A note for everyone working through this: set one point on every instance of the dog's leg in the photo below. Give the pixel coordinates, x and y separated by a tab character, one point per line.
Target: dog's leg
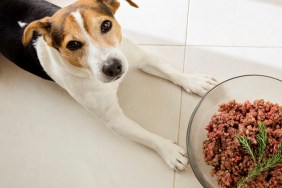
172	154
156	65
107	108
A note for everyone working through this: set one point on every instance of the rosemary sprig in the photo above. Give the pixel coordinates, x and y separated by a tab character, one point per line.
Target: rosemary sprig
262	141
267	164
262	167
246	145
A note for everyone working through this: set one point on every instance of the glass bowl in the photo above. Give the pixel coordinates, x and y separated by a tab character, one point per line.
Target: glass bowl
242	88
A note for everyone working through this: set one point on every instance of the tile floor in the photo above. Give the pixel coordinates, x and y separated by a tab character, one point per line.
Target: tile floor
47	140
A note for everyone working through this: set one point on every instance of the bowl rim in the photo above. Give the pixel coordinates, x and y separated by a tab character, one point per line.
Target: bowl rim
194	167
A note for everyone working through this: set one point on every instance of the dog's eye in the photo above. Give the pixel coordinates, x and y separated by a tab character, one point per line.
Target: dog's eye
74	45
106	26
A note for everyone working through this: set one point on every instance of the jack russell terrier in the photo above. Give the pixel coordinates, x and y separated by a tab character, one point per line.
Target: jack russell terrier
81	48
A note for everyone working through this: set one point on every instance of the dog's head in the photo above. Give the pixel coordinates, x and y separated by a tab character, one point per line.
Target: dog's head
87	36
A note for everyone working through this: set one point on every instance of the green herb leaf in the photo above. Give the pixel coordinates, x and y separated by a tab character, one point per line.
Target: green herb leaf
262	167
246	145
262	141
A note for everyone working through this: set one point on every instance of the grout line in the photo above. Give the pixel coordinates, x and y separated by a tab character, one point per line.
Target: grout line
211	46
187	23
181	90
181	45
226	46
184	63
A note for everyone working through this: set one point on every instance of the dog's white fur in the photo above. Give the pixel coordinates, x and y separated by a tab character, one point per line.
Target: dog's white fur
100	98
22	24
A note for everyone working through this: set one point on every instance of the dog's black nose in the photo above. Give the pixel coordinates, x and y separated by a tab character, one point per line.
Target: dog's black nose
112	67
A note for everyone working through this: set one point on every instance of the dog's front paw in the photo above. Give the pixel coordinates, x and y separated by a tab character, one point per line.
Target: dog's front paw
197	83
173	155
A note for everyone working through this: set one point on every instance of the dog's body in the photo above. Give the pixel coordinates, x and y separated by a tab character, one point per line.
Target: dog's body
13	13
90	68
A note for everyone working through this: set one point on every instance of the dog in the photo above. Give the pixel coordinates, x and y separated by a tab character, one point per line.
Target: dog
81	48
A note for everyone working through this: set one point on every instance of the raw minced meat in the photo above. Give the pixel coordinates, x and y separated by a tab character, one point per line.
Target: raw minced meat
223	151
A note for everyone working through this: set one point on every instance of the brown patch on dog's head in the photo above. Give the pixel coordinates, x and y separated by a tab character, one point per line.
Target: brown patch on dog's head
63	32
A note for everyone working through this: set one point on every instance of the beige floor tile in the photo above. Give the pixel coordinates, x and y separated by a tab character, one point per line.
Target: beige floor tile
155	22
222	63
153	102
235	23
186	179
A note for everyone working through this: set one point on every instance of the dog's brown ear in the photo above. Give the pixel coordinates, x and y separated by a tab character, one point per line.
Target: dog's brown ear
114	4
42	26
132	3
